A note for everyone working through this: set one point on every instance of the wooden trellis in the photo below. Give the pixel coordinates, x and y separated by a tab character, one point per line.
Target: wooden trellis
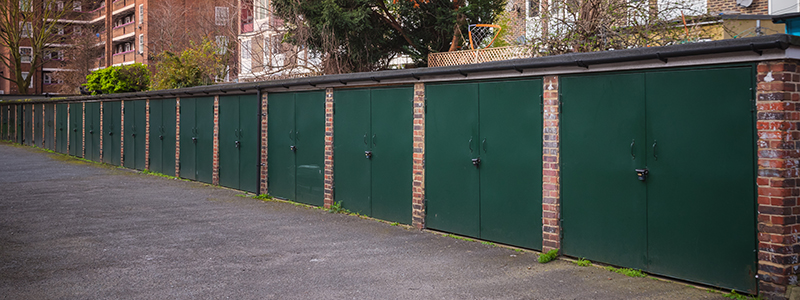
464	57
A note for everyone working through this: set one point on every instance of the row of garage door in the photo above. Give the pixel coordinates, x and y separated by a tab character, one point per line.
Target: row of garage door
691	215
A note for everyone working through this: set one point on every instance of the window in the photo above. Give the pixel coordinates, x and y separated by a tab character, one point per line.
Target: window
245	57
261	9
220	15
127	47
777	7
141	13
533	8
76	6
25	5
128	19
58	55
47	78
60	29
27	29
25	75
76	30
222	44
26	54
141	43
60	5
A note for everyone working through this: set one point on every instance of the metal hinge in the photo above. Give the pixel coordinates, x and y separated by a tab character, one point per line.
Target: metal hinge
541	103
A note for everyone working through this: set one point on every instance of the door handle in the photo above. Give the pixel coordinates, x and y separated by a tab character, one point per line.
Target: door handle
365	140
194	139
237	144
75	130
290	135
368	154
161	137
91	131
470	147
110	133
633	155
476	162
373	140
484	144
655	144
293	148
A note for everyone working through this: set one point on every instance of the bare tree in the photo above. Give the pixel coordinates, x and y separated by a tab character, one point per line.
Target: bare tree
32	25
80	57
598	25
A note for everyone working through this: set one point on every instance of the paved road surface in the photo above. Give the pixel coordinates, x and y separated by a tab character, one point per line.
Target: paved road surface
76	230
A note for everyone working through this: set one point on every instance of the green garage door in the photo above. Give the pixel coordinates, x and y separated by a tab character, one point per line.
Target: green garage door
135	131
38	125
197	138
76	129
61	128
296	157
28	140
49	126
373	151
92	133
483	160
3	122
20	127
112	123
673	222
239	144
162	136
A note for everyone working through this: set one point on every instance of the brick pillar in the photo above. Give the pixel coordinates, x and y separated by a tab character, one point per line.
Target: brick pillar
551	208
418	168
328	148
264	144
215	163
44	126
147	134
177	137
83	131
778	210
101	131
122	134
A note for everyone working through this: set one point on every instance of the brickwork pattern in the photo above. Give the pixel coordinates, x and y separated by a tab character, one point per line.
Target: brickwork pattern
328	198
215	163
44	127
759	7
122	134
101	131
778	156
264	143
147	135
178	137
551	208
83	131
418	168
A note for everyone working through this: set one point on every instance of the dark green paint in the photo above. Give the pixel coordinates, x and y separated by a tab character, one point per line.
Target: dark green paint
76	129
603	206
451	142
49	126
392	146
3	122
310	139
28	140
62	132
352	131
281	168
20	124
38	136
697	142
703	176
196	155
162	136
238	142
92	131
112	125
511	162
135	131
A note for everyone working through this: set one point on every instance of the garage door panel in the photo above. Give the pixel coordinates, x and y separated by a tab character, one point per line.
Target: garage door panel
111	132
603	142
228	136
250	143
392	147
351	140
280	157
310	135
451	140
188	143
511	152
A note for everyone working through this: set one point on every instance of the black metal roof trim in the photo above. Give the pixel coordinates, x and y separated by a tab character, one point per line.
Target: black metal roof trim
578	60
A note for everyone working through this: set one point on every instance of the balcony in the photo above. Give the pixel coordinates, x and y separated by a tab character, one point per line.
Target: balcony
123	30
124	57
122	5
96	14
98	63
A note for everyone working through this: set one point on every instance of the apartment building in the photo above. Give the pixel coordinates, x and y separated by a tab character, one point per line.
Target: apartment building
122	32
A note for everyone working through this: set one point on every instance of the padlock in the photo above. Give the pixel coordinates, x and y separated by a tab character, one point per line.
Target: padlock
642	174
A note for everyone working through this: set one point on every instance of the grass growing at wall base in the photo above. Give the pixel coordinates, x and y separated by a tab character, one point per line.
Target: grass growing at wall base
627	271
548	257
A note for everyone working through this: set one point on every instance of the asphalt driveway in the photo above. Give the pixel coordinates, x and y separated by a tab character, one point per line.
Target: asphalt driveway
76	230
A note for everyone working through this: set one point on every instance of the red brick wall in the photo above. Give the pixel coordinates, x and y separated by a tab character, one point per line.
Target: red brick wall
101	131
146	135
778	210
122	134
551	209
215	163
418	169
759	7
328	184
177	137
264	143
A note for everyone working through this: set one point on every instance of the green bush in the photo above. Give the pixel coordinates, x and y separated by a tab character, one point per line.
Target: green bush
549	256
119	79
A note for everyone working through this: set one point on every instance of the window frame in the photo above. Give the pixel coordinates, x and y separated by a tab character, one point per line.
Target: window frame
30	54
221	14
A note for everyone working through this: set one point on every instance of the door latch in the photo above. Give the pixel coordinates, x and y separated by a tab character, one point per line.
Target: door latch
161	137
194	140
476	162
368	154
642	174
293	148
237	144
